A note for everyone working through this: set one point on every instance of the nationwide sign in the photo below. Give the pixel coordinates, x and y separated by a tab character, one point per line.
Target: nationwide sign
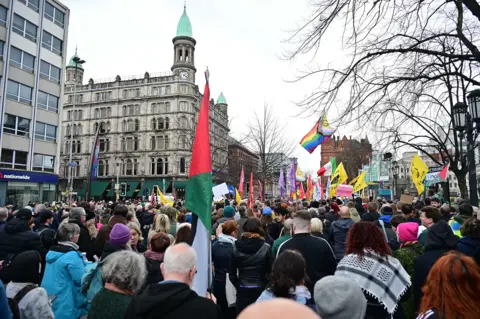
33	177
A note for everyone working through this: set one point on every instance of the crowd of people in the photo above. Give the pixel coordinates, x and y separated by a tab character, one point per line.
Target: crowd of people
336	259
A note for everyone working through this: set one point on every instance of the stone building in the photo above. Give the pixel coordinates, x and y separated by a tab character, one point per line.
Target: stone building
240	156
351	152
146	124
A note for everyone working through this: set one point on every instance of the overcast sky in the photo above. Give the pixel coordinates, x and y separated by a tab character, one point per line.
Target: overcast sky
240	41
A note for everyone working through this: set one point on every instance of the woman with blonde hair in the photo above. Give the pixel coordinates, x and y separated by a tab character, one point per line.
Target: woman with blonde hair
161	224
317	228
135	238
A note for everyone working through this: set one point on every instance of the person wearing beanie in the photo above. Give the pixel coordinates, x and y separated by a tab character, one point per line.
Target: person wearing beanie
386	226
118	239
409	250
228	214
17	235
339	298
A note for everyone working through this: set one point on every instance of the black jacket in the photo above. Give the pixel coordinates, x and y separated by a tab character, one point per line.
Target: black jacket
85	242
241	222
253	260
154	273
171	300
47	236
274	230
221	254
318	255
16	237
470	246
370	217
109	249
338	236
391	235
440	240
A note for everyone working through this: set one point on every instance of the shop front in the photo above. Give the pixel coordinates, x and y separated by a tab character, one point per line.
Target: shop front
22	187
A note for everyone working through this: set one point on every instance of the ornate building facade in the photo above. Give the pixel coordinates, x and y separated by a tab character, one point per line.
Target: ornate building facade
146	124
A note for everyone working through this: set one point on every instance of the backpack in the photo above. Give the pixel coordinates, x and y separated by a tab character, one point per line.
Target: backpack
13	302
92	281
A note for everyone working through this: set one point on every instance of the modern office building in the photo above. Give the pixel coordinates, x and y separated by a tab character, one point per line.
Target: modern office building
33	42
146	122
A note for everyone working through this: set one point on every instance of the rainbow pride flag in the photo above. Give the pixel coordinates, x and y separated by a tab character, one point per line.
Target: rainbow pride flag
319	134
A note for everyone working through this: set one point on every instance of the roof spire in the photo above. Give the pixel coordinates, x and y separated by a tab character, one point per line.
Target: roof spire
185	5
76	48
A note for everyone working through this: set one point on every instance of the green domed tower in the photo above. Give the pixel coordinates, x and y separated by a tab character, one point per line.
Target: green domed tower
184	48
74	72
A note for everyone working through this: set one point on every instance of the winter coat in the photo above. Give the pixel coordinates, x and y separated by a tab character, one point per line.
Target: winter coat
16	237
108	304
222	251
62	279
274	230
391	235
240	223
278	242
4	308
440	240
318	255
371	216
470	246
104	233
85	242
2	224
47	236
171	300
338	236
251	263
34	305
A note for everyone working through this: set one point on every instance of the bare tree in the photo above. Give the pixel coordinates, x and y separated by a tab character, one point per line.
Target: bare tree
410	62
267	139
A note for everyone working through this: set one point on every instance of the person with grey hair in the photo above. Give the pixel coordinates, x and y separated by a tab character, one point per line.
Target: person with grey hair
3	216
173	297
63	274
85	243
316	251
123	274
286	235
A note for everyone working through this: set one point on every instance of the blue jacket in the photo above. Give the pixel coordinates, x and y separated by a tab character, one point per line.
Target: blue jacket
4	308
62	279
470	246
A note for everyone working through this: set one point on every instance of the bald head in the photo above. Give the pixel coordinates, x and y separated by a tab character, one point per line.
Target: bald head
179	263
344	212
278	309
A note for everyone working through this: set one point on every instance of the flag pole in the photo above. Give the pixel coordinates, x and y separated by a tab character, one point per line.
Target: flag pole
92	160
209	235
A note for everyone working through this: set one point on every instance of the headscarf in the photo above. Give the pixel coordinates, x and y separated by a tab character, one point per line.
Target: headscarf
26	267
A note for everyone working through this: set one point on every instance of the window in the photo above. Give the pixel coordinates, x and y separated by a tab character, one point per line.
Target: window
183	106
103	96
49	102
25	28
183	165
159	166
159	142
50	72
183	88
104	145
16	125
45	132
52	43
13	159
183	142
167	123
3	16
54	15
130	144
2	46
43	163
78	114
19	92
103	168
32	4
167	89
130	167
22	59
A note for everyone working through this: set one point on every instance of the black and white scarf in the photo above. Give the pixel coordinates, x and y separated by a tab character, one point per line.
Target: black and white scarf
385	279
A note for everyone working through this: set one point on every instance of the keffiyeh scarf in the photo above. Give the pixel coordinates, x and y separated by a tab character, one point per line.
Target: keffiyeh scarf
385	279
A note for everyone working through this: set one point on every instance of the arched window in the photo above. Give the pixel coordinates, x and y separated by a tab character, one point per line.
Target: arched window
160	166
152	143
165	168
101	168
183	166
154	124
96	113
161	123
124	110
137	125
167	123
109	112
129	167
68	131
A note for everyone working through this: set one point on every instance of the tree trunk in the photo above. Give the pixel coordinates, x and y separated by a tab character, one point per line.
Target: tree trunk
462	183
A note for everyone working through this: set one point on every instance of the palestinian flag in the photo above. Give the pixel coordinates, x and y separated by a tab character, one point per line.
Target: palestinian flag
198	197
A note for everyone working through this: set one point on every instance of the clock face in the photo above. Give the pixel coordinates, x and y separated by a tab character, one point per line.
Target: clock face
184	75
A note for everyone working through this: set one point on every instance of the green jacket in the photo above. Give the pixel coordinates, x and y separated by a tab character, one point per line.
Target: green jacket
278	242
407	256
423	237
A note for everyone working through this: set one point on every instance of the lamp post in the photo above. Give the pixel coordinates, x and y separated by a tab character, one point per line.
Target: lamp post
395	178
466	124
80	62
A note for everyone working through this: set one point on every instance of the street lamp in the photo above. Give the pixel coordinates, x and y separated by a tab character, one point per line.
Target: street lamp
466	123
395	177
78	62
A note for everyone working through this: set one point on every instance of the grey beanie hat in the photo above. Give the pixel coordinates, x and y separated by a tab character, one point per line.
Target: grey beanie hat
339	298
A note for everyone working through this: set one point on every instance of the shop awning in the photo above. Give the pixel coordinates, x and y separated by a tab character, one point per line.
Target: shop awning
134	185
99	187
180	184
150	183
82	191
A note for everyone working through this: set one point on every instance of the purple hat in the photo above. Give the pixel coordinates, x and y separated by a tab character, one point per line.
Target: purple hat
120	234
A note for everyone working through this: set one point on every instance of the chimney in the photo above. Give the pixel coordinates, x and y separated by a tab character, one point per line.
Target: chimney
350	137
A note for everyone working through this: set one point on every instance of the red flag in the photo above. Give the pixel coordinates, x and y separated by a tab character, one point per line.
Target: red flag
260	188
309	188
302	191
242	180
250	194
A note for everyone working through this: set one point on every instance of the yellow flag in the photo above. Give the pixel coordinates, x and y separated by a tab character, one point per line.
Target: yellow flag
419	171
354	181
162	198
333	190
339	176
238	199
360	182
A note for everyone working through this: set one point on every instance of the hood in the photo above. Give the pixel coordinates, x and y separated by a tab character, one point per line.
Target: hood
459	219
162	299
57	251
227	239
16	226
110	248
154	255
407	232
385	218
249	245
153	266
116	219
343	224
440	235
